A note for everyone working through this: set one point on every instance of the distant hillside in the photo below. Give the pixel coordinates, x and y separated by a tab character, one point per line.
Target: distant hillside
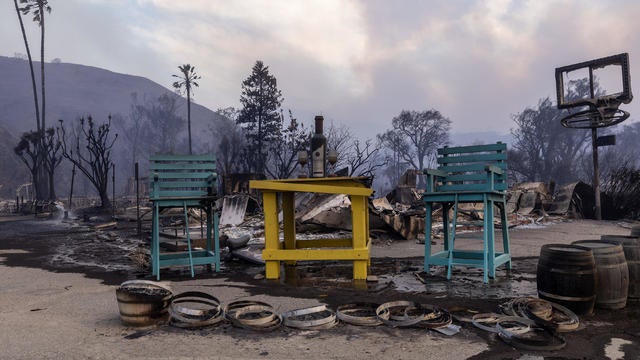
78	90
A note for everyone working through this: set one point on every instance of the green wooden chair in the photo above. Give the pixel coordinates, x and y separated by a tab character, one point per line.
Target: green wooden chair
184	182
468	174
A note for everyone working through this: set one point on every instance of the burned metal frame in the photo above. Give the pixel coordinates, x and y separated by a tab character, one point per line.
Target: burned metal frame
603	110
612	100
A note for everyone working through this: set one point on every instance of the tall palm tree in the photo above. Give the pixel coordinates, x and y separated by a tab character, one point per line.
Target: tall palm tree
38	8
187	79
33	77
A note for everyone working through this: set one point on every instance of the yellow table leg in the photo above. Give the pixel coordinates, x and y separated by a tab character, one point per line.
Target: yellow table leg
271	232
289	222
359	216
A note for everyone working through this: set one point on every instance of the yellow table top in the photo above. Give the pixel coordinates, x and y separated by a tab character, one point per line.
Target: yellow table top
327	185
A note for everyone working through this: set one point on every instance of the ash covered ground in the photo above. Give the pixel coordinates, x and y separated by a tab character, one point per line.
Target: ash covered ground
75	246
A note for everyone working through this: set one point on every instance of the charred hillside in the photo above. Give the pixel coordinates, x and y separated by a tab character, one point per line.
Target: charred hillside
75	91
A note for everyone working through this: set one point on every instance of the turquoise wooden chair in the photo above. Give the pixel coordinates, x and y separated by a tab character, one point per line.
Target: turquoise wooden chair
468	174
184	182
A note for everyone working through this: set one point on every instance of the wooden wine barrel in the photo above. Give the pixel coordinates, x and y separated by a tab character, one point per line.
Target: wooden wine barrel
631	247
143	302
566	275
612	273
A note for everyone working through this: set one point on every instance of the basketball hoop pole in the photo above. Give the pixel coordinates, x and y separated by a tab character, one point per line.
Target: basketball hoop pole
596	173
602	109
594	147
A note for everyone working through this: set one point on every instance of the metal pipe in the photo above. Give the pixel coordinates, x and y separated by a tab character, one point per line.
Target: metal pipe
594	147
138	200
596	174
113	190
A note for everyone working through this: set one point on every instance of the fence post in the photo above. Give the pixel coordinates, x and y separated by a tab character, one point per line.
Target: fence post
138	201
113	191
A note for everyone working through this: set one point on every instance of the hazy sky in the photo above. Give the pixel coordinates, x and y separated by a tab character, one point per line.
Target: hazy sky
356	62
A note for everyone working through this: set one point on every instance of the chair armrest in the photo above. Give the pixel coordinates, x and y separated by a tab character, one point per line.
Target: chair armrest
432	174
494	169
435	172
212	189
153	194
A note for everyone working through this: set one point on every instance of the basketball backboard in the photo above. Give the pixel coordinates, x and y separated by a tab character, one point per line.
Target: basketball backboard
599	83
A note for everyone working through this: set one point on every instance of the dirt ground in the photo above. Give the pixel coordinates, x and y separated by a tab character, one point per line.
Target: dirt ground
58	300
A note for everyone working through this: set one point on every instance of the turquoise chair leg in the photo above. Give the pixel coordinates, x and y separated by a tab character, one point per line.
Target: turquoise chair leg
186	226
452	237
155	243
505	232
208	248
216	242
485	240
427	236
492	249
445	224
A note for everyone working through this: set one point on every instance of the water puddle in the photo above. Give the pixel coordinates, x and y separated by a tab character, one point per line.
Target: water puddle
613	350
108	253
406	275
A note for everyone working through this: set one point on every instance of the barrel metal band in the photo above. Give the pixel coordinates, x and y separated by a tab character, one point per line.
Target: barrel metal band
323	323
384	313
347	313
566	298
186	317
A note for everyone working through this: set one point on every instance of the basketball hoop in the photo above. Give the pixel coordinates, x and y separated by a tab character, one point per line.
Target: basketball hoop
602	107
594	118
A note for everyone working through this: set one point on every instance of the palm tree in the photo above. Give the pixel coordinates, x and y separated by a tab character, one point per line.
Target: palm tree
33	77
187	80
38	8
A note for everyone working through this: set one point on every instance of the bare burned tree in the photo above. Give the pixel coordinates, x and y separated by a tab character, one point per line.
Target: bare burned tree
338	139
282	157
362	158
51	158
396	146
232	143
38	150
89	149
132	129
542	149
163	123
29	150
415	136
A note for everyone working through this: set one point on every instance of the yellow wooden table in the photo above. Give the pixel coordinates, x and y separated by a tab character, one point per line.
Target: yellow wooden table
355	248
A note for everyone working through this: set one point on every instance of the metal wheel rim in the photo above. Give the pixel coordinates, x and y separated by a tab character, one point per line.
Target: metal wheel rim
589	119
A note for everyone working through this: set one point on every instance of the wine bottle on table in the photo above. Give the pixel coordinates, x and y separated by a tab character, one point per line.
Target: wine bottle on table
318	150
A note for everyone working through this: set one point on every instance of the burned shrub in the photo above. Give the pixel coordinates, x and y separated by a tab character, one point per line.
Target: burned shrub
622	194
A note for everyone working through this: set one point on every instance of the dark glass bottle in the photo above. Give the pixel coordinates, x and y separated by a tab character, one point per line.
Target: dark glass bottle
318	150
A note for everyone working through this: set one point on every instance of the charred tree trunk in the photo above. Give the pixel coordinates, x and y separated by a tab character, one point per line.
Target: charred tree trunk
95	163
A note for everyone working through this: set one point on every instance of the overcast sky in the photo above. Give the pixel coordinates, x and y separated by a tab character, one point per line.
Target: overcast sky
356	62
